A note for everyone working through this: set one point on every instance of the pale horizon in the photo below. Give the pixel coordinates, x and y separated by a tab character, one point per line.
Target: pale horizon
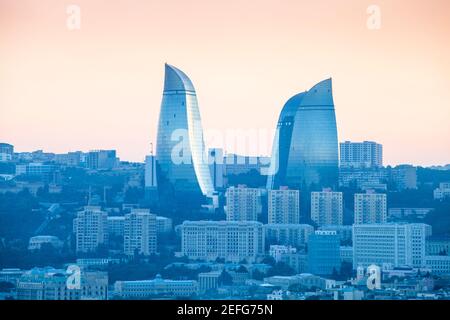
100	87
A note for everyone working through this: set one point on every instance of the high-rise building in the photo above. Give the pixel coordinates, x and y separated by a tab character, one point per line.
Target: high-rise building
327	207
91	229
284	206
404	177
366	154
150	172
324	257
243	204
180	151
370	207
140	233
230	240
390	243
305	148
6	152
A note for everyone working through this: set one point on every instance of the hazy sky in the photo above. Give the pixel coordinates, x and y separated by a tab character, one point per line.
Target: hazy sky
101	86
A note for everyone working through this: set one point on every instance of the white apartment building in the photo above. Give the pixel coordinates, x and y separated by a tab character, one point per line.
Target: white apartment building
370	207
366	154
230	240
243	204
390	243
91	229
327	207
284	206
140	232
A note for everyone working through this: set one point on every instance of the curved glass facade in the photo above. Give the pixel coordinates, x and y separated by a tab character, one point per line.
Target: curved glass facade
306	146
180	150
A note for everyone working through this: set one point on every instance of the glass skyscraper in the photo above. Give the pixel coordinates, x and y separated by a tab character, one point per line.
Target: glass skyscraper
180	151
305	149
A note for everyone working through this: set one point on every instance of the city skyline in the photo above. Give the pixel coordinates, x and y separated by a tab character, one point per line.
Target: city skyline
60	86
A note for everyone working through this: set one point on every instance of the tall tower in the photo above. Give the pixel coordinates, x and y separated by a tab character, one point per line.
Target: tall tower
182	168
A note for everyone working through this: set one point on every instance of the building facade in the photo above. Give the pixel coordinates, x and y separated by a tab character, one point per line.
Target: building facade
370	207
91	229
140	233
366	154
390	243
327	207
243	204
229	240
284	206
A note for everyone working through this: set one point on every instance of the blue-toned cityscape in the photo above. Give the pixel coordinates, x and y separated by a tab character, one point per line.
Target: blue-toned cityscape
316	220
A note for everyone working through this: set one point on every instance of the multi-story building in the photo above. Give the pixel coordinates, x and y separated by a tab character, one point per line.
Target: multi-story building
438	264
324	256
404	177
277	251
230	240
91	229
208	280
156	287
217	168
163	225
140	233
366	154
390	243
364	178
438	246
442	192
187	174
305	148
116	225
6	152
102	159
284	206
404	213
370	207
346	253
327	207
46	284
37	242
295	235
243	204
344	232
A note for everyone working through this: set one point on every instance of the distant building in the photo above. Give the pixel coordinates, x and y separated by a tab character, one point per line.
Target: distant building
404	177
140	233
156	287
438	246
6	152
284	206
324	253
327	207
277	251
230	240
442	192
37	242
405	213
91	229
344	232
367	154
243	204
36	169
102	159
295	235
390	243
217	167
45	284
116	225
71	159
163	225
363	178
346	253
208	280
237	164
438	264
370	207
150	172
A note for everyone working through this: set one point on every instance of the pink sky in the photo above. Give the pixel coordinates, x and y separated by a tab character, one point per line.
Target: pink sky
101	86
